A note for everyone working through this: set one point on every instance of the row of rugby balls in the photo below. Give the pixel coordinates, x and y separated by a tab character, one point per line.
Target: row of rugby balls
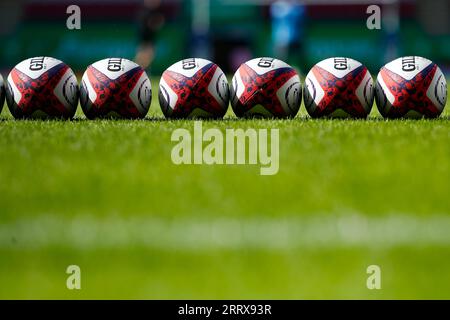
45	87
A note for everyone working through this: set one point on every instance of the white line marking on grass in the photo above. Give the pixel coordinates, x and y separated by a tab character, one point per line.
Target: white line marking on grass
200	234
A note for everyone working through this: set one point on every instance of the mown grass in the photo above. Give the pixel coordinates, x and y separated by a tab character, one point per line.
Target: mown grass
64	171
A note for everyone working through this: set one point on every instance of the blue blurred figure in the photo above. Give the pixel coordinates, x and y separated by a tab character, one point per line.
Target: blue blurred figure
287	27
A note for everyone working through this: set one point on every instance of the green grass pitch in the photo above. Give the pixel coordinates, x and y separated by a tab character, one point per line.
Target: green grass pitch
104	195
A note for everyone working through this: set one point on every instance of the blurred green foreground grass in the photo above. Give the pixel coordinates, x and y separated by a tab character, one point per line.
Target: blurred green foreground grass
105	195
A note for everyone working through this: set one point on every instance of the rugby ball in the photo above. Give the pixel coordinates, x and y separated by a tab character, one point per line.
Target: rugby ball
267	88
2	93
194	88
411	87
339	88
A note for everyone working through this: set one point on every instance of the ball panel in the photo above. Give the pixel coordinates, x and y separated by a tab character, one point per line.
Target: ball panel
365	93
67	91
313	93
87	93
263	65
113	68
437	91
290	95
189	67
13	94
383	96
218	87
34	68
167	97
141	95
408	67
237	88
339	66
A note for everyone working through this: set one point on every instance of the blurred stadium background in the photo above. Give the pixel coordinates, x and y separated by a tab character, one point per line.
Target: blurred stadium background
227	31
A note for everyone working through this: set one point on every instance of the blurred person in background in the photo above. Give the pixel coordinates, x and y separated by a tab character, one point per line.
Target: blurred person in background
287	27
151	21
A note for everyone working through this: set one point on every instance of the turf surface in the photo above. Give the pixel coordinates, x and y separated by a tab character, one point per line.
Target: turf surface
105	195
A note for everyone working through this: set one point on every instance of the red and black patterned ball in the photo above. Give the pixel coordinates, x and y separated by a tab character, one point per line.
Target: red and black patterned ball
115	88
